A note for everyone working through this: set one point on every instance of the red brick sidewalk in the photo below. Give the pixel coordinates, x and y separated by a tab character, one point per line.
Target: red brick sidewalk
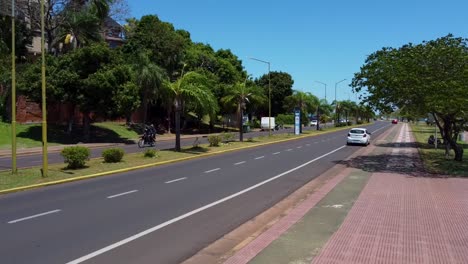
398	218
404	219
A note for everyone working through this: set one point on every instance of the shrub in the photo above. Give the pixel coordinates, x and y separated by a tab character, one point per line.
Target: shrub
349	123
113	155
282	119
149	153
227	136
214	140
76	156
359	122
256	123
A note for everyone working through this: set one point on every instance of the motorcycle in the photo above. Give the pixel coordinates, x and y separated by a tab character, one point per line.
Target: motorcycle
146	140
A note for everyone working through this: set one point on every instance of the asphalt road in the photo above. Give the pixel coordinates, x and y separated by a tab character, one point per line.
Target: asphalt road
163	214
25	161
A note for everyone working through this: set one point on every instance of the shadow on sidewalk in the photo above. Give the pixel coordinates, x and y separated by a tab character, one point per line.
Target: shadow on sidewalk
405	164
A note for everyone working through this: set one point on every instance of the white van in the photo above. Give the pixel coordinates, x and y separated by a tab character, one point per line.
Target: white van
265	123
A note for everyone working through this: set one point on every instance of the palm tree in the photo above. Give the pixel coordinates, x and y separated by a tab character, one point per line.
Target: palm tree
239	95
191	88
305	101
151	78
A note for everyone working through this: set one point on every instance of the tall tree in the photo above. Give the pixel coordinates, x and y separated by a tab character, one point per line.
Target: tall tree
150	78
190	88
240	95
281	87
305	101
430	77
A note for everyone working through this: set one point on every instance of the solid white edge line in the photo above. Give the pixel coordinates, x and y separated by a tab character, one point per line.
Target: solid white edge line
239	163
176	180
34	216
212	170
261	157
174	220
276	153
120	194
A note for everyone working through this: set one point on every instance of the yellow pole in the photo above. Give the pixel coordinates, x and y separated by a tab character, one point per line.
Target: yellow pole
44	107
14	169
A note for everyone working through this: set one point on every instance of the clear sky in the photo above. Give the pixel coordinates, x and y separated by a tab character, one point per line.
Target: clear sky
313	40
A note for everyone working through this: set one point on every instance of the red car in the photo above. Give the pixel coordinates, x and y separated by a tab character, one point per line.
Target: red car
395	121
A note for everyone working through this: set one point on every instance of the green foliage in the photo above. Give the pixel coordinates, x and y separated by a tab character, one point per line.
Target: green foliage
76	156
113	155
430	77
283	119
227	137
149	153
214	140
281	87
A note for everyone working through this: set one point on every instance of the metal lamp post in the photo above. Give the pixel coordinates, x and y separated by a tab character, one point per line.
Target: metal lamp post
14	168
269	94
325	88
336	102
44	107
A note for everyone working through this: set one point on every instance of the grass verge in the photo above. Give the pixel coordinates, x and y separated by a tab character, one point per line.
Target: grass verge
434	159
30	135
57	172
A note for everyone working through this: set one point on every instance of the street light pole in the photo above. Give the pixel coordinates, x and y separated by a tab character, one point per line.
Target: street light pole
336	102
269	93
325	88
14	168
44	107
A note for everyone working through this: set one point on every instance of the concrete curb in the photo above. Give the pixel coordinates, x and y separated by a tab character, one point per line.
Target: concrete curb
156	164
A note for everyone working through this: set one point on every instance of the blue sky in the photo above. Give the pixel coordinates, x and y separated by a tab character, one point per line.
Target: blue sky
315	40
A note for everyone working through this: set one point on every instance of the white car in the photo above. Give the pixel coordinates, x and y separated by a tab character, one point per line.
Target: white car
313	122
358	136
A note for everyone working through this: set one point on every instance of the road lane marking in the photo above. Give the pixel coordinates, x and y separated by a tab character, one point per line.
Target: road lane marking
176	180
120	194
34	216
200	209
276	153
289	149
308	145
208	171
239	163
315	142
299	147
380	128
261	157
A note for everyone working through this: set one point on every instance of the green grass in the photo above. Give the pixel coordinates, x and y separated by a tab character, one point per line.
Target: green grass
434	159
56	172
30	135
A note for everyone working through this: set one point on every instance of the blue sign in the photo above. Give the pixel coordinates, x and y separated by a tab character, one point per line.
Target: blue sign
297	121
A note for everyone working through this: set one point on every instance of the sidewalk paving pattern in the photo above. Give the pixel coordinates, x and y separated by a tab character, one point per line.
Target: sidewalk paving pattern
399	217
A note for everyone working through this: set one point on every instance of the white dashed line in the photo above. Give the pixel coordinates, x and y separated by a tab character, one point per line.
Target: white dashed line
276	153
34	216
120	194
289	150
188	214
176	180
239	163
212	170
261	157
308	145
299	147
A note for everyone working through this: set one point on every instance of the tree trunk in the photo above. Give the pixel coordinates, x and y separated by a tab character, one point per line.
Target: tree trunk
239	117
71	118
169	123
86	126
145	106
177	105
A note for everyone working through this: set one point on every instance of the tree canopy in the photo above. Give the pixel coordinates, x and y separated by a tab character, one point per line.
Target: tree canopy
427	78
